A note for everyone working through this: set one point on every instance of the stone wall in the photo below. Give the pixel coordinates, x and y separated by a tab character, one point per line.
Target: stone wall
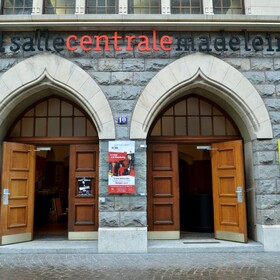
122	75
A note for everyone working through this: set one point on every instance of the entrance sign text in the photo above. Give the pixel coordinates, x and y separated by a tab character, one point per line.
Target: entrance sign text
150	41
144	43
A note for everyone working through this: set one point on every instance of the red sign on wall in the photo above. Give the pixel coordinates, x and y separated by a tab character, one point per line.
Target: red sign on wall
121	189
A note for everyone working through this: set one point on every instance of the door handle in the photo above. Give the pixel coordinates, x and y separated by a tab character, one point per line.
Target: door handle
6	196
239	194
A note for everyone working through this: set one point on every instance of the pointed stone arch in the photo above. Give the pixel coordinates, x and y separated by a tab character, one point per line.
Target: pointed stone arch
51	71
208	76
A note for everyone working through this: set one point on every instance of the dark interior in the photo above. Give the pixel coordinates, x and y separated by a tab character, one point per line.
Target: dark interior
51	191
196	199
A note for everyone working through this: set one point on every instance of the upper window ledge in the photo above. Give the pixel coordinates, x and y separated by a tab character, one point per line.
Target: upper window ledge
140	22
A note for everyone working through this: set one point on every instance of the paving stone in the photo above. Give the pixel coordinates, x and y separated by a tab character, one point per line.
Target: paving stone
260	265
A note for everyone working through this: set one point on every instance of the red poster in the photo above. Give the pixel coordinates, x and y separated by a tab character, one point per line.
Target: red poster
121	173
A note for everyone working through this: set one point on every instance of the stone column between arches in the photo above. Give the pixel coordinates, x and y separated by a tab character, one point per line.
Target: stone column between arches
123	218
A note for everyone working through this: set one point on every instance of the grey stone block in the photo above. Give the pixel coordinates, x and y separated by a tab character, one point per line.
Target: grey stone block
134	65
275	117
262	64
86	63
109	219
137	203
255	77
122	132
266	171
239	64
113	92
278	186
142	79
266	186
276	64
124	53
6	64
133	219
266	90
273	77
264	157
109	64
266	217
102	78
156	64
122	78
276	131
267	201
265	145
122	203
131	92
121	106
108	205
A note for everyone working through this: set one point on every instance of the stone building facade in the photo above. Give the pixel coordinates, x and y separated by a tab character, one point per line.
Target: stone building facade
231	61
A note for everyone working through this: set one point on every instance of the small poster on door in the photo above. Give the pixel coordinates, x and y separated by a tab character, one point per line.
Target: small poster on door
84	186
121	173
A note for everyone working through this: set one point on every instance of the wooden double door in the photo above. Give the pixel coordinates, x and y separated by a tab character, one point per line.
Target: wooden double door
228	186
18	188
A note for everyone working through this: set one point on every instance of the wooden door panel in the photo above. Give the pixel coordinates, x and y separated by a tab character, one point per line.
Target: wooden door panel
163	188
18	177
19	160
226	158
228	176
83	188
163	213
85	161
229	215
162	160
19	188
84	214
227	186
17	216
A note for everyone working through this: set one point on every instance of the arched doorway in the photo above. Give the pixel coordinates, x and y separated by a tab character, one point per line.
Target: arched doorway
50	154
25	84
195	160
224	85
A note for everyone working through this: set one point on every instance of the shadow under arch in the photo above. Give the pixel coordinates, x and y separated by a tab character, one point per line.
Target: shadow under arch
211	77
29	77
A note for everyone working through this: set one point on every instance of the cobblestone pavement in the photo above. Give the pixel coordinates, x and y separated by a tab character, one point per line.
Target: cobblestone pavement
261	265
